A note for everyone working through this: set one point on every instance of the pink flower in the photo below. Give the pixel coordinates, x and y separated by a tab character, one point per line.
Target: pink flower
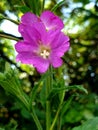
40	47
50	20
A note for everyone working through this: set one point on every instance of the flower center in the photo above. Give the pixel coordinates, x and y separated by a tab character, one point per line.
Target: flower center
45	54
43	51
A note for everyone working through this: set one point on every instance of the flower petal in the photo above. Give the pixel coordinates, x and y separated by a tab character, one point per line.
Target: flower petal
25	57
59	51
51	21
42	30
57	38
29	58
29	33
41	64
29	18
23	46
56	61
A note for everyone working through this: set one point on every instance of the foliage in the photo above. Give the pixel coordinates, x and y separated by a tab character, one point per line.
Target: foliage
75	78
89	125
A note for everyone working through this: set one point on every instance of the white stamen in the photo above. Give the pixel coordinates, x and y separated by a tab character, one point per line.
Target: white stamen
45	54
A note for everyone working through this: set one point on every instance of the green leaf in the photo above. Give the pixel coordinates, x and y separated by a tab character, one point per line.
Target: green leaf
34	5
10	83
91	124
23	9
25	113
66	106
2	129
35	89
42	95
57	5
2	77
12	125
55	91
33	95
78	87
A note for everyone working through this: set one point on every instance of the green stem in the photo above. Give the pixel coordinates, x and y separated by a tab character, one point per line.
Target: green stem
57	113
23	2
11	20
59	124
24	101
48	106
9	36
48	115
56	117
34	116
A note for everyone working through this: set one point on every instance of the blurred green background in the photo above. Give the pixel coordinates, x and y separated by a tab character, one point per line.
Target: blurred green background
80	62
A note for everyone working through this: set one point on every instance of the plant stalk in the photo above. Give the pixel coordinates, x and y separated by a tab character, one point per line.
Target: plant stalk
48	105
9	36
34	116
58	111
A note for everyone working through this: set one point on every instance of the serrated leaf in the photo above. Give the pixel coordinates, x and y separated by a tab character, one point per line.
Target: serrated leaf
10	83
91	124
